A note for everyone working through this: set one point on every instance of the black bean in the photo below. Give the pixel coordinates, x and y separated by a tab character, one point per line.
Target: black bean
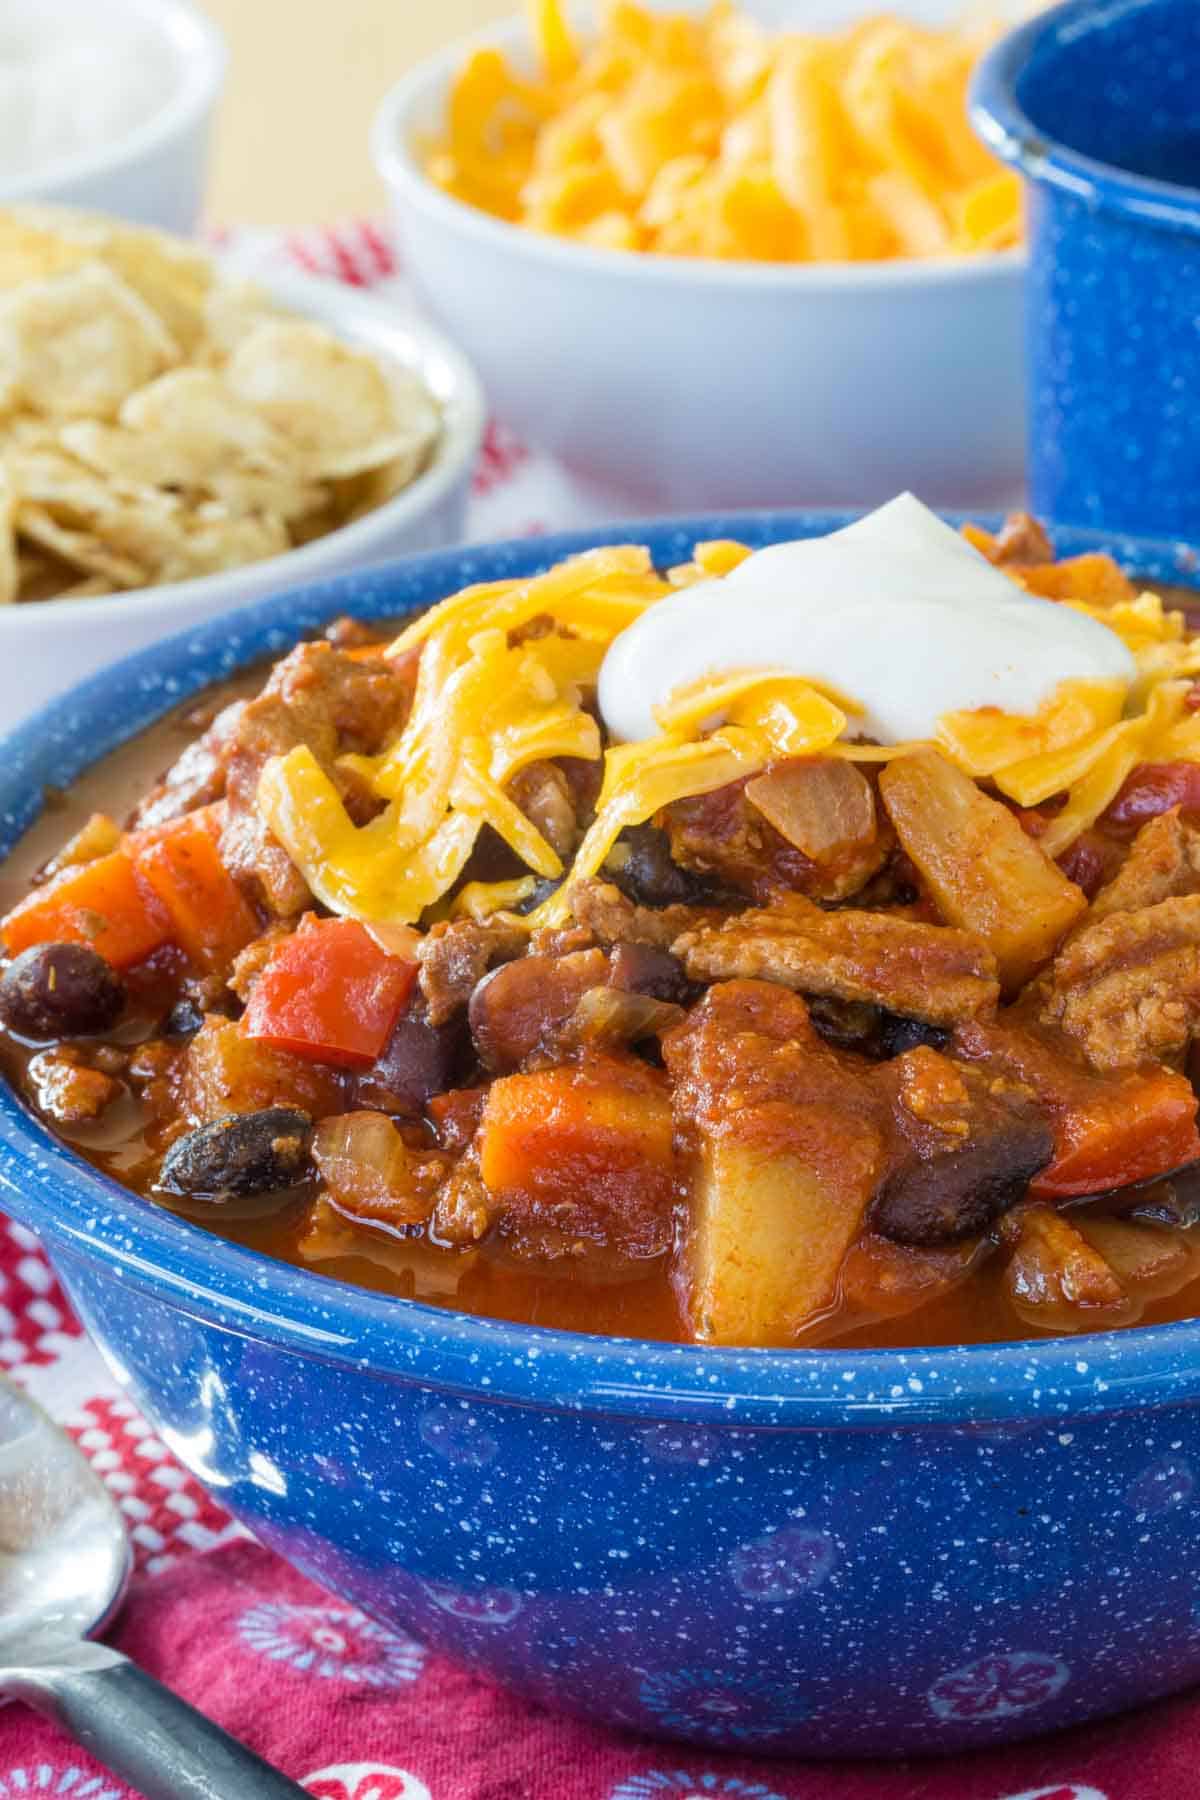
184	1020
1171	1199
60	991
898	1034
542	890
420	1061
246	1153
871	1030
649	877
957	1193
848	1024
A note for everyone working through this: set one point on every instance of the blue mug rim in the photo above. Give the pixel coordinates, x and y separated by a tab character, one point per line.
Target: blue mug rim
1011	134
86	1216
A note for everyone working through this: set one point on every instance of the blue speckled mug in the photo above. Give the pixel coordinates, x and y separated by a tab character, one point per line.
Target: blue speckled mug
813	1552
1098	105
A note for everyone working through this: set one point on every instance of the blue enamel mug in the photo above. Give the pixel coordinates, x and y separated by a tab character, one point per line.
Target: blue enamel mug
1097	103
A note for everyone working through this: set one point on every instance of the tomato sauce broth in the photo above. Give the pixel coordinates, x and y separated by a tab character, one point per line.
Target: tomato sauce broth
485	1280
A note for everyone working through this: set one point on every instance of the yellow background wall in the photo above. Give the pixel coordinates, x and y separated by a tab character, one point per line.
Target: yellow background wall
304	80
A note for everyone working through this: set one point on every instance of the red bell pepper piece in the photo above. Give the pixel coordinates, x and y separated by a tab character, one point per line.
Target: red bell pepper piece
331	994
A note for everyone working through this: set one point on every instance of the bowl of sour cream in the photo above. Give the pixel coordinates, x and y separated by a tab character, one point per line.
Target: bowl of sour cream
109	108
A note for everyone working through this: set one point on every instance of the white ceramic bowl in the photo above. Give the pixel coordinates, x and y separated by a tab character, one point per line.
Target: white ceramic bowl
689	383
46	645
154	173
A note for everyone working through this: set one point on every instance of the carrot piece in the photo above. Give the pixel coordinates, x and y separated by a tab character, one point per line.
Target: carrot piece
101	904
1141	1127
586	1149
534	1124
330	993
211	818
211	920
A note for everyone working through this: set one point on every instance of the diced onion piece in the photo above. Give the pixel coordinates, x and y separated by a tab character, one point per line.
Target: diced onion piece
394	940
611	1016
96	837
1056	1279
1156	1262
822	805
370	1171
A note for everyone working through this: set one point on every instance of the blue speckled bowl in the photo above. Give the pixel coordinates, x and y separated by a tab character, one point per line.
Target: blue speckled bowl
1099	107
811	1552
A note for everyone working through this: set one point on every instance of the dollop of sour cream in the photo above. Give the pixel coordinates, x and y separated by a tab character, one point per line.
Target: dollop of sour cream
897	612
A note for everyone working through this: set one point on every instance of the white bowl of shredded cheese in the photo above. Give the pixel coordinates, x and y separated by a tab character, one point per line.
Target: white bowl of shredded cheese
108	106
676	381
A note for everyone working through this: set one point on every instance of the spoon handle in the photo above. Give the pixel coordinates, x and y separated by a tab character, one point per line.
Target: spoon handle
142	1731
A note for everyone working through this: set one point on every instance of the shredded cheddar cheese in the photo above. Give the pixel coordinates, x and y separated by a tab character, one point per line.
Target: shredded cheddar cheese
707	135
505	676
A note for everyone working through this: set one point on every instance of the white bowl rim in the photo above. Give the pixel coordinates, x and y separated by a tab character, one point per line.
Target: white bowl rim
202	57
399	169
463	420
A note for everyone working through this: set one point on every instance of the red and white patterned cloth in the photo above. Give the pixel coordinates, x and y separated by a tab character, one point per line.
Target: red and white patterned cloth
353	1711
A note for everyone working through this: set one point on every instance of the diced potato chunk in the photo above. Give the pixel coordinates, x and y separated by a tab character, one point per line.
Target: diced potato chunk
771	1225
984	872
222	1072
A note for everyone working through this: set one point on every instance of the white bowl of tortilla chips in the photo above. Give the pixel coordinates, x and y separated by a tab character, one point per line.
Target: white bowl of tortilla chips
176	440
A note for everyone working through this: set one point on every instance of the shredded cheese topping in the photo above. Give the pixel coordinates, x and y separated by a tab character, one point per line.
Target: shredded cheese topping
504	675
704	134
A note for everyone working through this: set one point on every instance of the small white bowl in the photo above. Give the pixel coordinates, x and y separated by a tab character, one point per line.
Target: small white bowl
45	645
676	382
154	173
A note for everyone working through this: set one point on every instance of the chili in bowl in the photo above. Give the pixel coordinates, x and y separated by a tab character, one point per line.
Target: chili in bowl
784	1036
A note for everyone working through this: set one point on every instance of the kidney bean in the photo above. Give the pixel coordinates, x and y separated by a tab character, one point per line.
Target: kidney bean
958	1193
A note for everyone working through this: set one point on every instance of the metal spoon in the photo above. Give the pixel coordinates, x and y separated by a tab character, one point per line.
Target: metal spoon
64	1563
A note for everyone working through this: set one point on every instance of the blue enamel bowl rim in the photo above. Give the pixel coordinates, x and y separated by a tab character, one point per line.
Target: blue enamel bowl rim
1012	135
84	1215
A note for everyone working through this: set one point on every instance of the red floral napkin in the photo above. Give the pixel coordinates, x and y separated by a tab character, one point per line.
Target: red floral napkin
358	1713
